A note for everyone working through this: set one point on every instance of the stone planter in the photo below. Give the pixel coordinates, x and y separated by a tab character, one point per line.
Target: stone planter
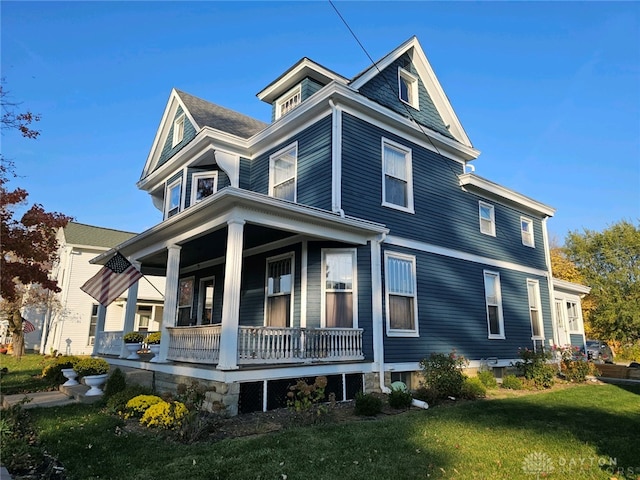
95	382
133	350
155	349
70	374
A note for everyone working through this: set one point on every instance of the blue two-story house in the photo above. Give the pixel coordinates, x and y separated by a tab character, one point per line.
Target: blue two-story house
349	237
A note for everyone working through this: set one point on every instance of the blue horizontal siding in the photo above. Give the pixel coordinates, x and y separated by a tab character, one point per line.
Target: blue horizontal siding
168	150
445	215
452	311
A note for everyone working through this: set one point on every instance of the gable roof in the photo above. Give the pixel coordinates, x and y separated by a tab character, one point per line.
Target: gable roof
88	235
429	79
207	114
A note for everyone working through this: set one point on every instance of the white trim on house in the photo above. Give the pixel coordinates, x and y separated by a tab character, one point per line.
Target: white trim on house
395	332
487	225
411	82
535	306
194	185
494	302
292	257
288	101
527	234
448	252
168	206
178	130
202	297
354	284
284	152
336	157
386	143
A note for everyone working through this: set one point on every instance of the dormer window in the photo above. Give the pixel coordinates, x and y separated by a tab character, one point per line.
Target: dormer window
178	130
408	88
173	197
288	101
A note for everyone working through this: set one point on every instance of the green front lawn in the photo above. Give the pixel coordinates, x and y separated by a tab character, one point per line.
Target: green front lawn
23	374
566	433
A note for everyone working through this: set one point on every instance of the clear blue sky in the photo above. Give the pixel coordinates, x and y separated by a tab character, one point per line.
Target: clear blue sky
548	92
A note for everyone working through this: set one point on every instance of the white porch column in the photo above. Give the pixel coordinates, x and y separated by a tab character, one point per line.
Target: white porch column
102	315
170	299
231	301
130	312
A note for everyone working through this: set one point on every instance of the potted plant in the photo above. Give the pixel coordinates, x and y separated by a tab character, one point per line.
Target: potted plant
94	373
133	342
153	340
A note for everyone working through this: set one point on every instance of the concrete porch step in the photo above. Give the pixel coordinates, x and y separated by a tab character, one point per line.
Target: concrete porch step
77	393
38	399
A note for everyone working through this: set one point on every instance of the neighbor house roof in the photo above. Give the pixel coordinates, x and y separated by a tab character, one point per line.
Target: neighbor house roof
207	114
81	234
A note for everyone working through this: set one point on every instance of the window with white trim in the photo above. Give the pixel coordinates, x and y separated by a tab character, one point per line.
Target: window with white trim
408	88
205	301
573	317
185	301
397	181
493	300
279	298
487	219
93	323
288	101
173	198
178	130
401	294
143	319
282	173
533	293
526	227
203	185
339	288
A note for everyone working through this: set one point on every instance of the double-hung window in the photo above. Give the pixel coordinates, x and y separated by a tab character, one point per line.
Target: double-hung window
493	300
533	291
282	173
339	287
487	219
203	185
185	301
178	130
205	301
573	317
526	227
93	322
279	291
173	198
397	181
401	294
408	88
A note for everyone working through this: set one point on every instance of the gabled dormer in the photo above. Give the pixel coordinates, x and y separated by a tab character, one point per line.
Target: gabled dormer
296	85
404	82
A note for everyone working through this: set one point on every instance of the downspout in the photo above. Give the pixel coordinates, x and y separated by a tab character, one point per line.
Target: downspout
378	328
547	258
336	159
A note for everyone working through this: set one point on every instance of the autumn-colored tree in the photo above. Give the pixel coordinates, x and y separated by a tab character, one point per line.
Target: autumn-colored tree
609	262
28	246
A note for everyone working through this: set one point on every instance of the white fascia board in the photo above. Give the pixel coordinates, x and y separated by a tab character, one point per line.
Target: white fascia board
492	189
207	140
429	79
570	287
304	68
229	203
163	130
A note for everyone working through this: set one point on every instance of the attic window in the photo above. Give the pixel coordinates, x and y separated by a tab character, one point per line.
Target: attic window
408	88
288	101
178	130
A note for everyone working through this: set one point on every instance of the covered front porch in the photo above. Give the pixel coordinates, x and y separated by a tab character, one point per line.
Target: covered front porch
222	245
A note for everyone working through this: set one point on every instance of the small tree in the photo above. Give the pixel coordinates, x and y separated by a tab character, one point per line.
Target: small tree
29	246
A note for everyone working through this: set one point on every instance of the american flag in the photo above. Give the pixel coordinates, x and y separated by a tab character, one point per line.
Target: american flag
115	277
28	327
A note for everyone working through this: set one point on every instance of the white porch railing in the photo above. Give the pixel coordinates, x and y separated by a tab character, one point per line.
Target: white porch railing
287	345
200	344
109	343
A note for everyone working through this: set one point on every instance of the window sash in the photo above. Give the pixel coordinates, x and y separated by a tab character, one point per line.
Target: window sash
178	131
203	186
526	227
283	174
573	318
396	176
339	289
487	219
174	194
493	305
400	281
206	291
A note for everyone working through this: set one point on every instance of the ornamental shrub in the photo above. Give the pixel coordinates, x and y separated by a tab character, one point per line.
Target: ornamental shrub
427	394
115	383
153	338
301	397
137	406
117	403
53	370
167	415
133	337
487	379
473	388
574	364
367	404
399	399
443	373
534	367
511	382
91	366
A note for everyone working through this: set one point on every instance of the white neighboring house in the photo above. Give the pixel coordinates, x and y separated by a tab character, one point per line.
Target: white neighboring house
70	328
